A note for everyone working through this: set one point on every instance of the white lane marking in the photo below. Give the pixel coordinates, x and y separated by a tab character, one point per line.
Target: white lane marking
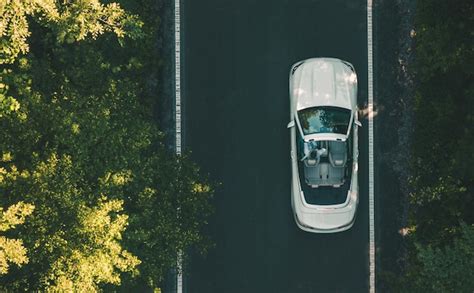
177	70
179	277
177	50
371	149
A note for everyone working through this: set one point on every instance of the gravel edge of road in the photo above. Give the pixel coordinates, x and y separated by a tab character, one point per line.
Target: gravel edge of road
165	107
395	98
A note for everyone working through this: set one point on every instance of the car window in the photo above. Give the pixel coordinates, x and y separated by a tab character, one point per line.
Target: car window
324	120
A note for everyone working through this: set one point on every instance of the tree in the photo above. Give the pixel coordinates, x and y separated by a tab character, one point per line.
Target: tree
440	257
12	250
99	257
61	248
446	269
70	20
82	145
74	238
166	216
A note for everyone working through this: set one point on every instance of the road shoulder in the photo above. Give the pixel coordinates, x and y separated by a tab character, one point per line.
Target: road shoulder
393	130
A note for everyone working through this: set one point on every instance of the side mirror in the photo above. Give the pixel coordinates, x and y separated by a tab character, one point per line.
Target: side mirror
357	122
291	124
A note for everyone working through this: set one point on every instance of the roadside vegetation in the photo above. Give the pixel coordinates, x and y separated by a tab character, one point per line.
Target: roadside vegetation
441	231
90	198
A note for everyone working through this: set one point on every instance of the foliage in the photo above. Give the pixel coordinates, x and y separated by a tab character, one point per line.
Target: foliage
443	178
70	20
442	154
12	250
157	230
80	143
446	269
8	104
66	237
99	254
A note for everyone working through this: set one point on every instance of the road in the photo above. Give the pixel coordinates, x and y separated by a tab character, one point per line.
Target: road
236	59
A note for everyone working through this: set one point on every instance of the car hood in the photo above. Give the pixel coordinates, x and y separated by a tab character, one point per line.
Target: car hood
324	82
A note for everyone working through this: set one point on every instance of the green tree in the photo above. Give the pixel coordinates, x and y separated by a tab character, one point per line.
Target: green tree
440	250
166	216
69	233
443	177
70	20
99	257
446	269
12	250
85	130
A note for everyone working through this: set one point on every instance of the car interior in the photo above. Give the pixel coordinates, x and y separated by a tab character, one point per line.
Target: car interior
325	162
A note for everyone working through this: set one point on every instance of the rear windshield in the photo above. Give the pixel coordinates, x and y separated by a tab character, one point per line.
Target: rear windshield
324	120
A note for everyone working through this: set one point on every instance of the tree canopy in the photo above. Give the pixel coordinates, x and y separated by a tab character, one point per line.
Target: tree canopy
441	256
12	250
70	21
80	143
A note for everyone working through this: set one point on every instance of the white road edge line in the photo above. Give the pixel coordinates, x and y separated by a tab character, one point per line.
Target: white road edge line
177	69
371	148
177	52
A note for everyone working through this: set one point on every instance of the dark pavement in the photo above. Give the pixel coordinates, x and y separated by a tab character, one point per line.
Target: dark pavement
237	56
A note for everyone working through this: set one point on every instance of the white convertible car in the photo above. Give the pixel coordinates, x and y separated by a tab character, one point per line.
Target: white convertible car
323	126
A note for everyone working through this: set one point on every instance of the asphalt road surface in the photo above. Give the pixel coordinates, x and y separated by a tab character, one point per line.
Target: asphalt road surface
237	55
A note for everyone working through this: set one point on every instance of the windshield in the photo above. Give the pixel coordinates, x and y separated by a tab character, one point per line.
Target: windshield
324	120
